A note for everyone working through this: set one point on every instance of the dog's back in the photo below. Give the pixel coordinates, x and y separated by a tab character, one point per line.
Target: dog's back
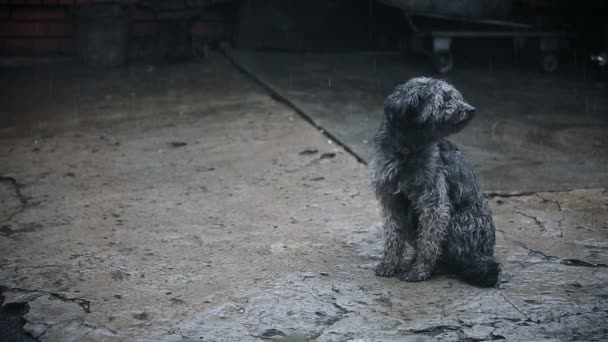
471	234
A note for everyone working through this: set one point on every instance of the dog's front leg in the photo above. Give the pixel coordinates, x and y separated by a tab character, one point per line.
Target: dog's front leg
433	209
394	246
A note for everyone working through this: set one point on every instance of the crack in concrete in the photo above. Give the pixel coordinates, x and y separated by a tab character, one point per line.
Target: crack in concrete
18	310
79	320
342	309
558	203
45	331
516	193
507	194
531	251
519	193
490	336
514	306
534	218
82	303
342	314
436	330
546	258
278	335
549	258
17	187
581	263
18	193
8	231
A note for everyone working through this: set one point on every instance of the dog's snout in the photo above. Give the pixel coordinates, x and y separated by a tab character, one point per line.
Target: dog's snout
470	110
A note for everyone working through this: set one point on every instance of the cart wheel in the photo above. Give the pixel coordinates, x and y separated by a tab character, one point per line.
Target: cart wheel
549	62
444	61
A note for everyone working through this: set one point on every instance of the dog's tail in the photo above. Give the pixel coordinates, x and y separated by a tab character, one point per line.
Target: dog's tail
482	272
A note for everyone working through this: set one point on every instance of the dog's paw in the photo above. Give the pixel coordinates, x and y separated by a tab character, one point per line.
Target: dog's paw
384	270
417	273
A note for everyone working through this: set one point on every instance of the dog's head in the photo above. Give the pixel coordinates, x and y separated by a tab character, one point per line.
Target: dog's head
425	109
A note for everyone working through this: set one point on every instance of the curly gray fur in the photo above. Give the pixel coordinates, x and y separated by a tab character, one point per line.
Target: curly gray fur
428	192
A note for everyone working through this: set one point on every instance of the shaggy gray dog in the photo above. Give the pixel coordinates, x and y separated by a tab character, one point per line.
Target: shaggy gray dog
428	192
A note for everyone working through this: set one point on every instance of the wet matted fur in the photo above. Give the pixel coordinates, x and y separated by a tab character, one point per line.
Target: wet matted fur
428	192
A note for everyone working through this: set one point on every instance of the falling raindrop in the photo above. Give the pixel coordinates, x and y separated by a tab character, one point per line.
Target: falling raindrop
51	86
132	95
76	99
375	64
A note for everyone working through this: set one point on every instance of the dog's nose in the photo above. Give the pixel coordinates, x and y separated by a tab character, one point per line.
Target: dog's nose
470	110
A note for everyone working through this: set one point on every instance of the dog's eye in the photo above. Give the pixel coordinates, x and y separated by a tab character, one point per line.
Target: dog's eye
447	113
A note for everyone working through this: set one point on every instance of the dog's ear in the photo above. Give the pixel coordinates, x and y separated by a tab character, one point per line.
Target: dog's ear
401	105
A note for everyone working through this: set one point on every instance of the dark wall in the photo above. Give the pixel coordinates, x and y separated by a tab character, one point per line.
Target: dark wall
46	27
585	18
317	25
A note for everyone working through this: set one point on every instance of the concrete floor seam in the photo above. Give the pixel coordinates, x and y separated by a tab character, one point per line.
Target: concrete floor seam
282	99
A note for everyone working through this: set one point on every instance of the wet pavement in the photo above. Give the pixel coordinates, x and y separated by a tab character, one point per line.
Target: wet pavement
532	131
184	203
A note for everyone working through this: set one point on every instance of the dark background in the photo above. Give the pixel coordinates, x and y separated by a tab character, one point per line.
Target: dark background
46	27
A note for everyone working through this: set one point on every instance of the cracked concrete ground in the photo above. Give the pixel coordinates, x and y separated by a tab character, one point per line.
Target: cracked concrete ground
183	203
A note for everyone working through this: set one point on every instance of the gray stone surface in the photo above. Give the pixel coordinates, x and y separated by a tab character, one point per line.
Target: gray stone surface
532	131
183	203
47	316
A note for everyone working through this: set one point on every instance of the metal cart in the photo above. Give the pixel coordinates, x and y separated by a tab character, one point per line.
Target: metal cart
469	19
